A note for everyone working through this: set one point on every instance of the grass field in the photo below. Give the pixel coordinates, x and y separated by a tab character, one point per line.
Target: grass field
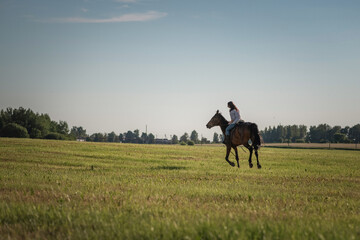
72	190
351	146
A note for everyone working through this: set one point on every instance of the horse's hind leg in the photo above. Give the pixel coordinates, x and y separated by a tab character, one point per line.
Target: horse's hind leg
236	156
257	157
251	151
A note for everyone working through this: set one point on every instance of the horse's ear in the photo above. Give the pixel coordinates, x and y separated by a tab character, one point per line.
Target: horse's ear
217	112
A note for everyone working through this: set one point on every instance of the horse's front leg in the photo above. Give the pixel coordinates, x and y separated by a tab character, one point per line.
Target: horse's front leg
236	156
228	149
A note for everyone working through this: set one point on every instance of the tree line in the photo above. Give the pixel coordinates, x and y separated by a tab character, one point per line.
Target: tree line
136	137
323	133
24	123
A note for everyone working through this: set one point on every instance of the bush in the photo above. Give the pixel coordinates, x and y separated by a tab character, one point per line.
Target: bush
55	136
300	140
35	133
182	143
15	131
190	143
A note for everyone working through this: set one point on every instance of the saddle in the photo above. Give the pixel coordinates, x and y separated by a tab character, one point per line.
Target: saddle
240	124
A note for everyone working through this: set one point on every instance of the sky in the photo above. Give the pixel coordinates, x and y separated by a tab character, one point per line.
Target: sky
119	65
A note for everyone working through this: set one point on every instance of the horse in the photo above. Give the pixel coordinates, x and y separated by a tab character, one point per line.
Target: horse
240	135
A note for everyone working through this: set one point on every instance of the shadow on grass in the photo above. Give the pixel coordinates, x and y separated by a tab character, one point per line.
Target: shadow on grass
168	168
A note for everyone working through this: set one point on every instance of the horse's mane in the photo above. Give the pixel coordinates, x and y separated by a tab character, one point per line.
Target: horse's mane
223	120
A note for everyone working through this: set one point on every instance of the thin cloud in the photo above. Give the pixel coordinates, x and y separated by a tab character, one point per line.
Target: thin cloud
133	17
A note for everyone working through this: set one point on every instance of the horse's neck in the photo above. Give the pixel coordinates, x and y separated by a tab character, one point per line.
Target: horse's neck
223	129
224	124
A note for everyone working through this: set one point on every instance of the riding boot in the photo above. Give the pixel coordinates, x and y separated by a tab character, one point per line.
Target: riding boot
226	140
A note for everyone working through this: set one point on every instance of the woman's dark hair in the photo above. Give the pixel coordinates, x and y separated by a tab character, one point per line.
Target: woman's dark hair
232	106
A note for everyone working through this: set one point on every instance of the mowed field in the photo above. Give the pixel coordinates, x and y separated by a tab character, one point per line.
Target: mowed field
73	190
350	146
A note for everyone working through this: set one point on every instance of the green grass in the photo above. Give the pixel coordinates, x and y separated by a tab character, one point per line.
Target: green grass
72	190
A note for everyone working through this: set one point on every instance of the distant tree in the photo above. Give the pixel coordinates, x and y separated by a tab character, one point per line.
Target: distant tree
174	140
339	138
99	137
59	127
303	131
294	133
345	130
204	140
62	127
190	143
151	138
36	133
288	134
354	133
2	123
36	125
216	138
137	136
78	132
39	123
53	126
14	130
281	133
319	134
129	137
19	116
221	137
194	136
121	137
137	133
331	133
111	137
144	137
184	138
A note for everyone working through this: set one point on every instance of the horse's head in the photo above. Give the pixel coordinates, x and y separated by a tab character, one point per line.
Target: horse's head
216	120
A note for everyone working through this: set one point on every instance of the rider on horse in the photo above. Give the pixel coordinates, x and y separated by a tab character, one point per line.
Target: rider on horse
235	118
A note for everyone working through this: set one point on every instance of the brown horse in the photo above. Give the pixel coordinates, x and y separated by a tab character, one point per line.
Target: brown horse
240	135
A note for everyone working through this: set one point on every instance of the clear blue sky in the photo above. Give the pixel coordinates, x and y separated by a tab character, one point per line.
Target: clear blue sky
118	65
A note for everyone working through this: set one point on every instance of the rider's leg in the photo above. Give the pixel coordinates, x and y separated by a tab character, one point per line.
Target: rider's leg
227	133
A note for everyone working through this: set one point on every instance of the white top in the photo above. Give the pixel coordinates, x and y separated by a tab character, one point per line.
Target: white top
235	116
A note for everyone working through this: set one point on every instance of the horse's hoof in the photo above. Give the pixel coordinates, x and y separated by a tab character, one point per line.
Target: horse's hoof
251	165
232	164
259	166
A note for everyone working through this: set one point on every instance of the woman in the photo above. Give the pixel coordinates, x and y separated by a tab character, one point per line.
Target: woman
235	118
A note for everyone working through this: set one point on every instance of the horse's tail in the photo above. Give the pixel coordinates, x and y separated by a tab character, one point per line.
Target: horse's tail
255	135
